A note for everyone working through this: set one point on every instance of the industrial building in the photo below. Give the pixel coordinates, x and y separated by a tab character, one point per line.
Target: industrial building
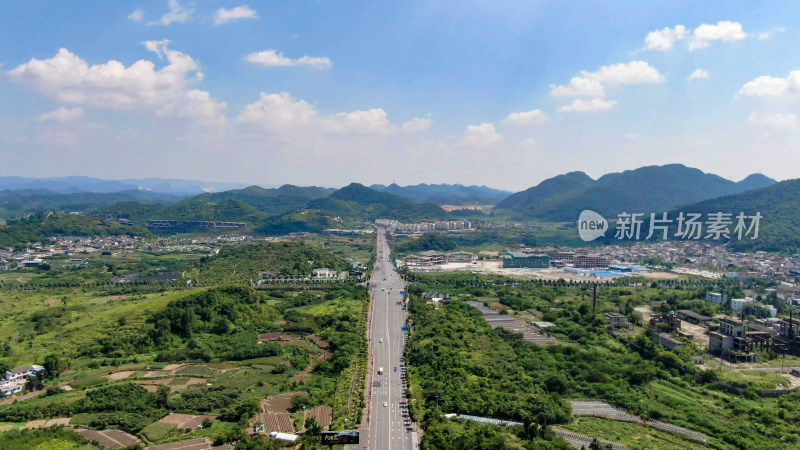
524	260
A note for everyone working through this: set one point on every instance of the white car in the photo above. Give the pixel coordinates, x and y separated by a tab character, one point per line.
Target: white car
385	403
380	341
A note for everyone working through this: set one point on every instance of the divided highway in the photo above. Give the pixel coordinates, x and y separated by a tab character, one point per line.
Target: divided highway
387	424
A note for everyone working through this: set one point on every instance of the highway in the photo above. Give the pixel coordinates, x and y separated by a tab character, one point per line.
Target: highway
387	427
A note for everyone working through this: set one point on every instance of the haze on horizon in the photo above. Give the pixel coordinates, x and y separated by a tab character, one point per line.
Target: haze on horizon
503	94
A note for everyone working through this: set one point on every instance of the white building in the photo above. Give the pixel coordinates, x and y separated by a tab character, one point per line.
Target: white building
738	304
324	273
716	298
772	311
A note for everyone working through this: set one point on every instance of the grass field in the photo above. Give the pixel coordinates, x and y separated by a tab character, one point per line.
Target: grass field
632	435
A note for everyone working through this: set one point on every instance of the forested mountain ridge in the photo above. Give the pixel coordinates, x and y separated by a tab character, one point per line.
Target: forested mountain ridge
38	227
441	194
15	204
357	201
646	189
272	201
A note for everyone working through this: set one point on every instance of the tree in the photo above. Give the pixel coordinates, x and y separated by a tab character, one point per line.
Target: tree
162	395
312	427
34	383
52	367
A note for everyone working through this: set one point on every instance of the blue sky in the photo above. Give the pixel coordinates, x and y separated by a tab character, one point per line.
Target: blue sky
502	93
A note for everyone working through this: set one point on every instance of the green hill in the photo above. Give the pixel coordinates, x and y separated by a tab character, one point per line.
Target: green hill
306	220
272	201
647	189
445	194
779	205
227	210
242	263
357	201
38	227
16	204
530	199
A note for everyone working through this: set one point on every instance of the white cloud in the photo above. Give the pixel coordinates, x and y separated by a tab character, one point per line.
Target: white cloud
725	31
593	105
481	136
591	84
176	14
417	124
136	16
767	86
579	87
283	114
698	74
240	12
61	115
271	58
373	121
277	112
529	142
532	117
664	39
776	120
635	72
141	87
764	35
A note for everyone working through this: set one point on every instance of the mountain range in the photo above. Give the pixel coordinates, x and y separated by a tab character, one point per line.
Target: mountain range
647	189
71	185
20	203
446	194
779	206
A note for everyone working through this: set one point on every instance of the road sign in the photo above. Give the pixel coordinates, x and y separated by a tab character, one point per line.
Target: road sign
404	329
339	437
403	292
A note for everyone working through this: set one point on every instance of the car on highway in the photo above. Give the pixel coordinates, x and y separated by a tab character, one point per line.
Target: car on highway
380	341
385	403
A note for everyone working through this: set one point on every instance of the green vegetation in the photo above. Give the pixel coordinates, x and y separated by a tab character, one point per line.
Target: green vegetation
632	435
307	220
779	206
16	204
38	227
45	439
445	194
242	263
459	364
271	201
645	190
429	242
158	431
360	202
226	210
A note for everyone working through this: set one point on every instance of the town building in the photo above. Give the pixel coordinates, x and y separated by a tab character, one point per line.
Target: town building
523	260
434	258
616	320
693	317
590	262
673	323
716	298
668	341
22	373
323	274
731	341
738	304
